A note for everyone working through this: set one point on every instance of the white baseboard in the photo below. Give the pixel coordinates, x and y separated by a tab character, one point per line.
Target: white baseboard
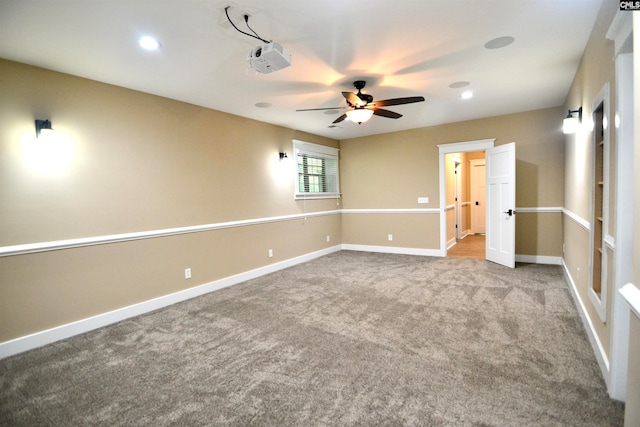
532	259
598	349
451	243
394	250
539	259
39	339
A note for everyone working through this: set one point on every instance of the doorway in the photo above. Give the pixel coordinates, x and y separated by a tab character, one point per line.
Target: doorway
451	148
465	204
477	187
471	246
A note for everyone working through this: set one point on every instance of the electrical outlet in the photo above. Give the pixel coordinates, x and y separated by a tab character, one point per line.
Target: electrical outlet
270	253
390	237
187	273
328	238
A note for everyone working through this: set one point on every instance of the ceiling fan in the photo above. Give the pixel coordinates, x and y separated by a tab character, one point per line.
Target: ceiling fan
362	106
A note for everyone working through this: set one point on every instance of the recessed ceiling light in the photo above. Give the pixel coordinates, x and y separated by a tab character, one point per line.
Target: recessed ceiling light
457	85
466	94
498	43
149	43
263	105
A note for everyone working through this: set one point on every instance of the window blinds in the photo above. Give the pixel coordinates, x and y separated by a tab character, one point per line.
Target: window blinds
317	170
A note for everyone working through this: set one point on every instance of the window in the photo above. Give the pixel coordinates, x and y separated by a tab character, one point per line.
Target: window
316	170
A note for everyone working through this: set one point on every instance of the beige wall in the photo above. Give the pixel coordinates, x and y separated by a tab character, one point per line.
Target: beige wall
390	171
408	230
596	69
144	163
141	163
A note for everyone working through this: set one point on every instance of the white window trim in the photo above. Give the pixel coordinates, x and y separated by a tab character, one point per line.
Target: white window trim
315	150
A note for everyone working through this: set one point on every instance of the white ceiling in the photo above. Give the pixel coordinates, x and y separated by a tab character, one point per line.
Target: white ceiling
401	48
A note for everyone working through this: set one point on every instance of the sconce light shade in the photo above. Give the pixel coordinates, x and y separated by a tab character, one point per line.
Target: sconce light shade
570	124
283	155
43	125
359	115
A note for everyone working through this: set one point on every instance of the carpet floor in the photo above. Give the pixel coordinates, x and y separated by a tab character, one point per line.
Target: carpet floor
348	339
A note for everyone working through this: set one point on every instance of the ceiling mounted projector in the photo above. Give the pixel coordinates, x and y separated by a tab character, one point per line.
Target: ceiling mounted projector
269	58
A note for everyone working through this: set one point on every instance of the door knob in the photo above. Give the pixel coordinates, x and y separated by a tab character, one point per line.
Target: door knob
510	212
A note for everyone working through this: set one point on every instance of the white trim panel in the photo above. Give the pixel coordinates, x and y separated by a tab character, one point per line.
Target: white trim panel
114	238
609	242
459	147
39	339
391	211
124	237
394	250
539	259
451	243
620	30
598	349
578	220
631	295
539	210
622	217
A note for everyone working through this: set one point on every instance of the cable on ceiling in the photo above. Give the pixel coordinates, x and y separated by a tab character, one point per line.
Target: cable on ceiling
246	20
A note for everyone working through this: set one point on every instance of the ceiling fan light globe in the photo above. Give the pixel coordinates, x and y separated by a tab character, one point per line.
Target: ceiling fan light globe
359	115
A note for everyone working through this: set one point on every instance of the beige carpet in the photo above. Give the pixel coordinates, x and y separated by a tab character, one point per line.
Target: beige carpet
348	339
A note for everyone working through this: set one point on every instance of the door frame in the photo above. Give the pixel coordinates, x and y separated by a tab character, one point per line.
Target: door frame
621	32
457	174
451	148
472	164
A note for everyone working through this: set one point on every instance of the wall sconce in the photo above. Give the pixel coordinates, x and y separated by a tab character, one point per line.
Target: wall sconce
283	155
43	126
50	152
570	124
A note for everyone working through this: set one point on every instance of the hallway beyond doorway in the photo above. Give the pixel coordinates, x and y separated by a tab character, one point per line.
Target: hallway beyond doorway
471	246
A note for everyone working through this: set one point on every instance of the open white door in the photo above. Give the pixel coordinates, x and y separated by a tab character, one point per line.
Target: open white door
501	199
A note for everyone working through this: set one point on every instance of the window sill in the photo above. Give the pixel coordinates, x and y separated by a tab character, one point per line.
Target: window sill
305	196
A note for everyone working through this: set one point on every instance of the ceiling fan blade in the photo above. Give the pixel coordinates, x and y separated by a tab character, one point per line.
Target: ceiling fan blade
320	109
386	113
398	101
352	98
339	119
